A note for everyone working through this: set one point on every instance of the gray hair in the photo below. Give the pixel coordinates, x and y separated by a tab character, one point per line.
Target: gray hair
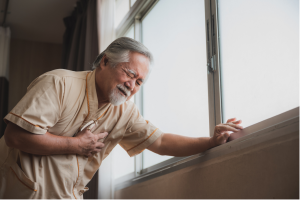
119	50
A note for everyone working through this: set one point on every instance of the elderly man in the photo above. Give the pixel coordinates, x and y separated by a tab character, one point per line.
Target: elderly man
68	122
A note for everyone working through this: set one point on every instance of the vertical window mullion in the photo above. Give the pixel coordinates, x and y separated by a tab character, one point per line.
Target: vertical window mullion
217	73
138	99
213	71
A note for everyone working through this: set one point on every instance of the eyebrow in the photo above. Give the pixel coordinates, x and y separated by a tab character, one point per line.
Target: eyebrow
134	74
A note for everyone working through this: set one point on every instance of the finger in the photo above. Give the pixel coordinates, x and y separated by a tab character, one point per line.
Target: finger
100	145
223	138
102	135
223	128
230	120
226	136
237	122
98	149
235	125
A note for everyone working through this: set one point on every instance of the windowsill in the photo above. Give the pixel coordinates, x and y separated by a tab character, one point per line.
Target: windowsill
266	130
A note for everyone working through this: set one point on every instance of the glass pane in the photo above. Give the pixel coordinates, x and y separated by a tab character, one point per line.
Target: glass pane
130	32
122	163
175	95
122	8
259	54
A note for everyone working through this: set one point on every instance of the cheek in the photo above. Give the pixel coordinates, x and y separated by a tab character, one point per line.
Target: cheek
118	81
119	78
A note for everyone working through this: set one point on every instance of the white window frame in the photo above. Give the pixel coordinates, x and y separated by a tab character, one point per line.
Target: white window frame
283	124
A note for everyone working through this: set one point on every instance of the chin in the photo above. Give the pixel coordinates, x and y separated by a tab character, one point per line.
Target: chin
116	98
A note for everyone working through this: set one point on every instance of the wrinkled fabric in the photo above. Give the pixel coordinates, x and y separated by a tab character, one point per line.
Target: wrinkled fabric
62	102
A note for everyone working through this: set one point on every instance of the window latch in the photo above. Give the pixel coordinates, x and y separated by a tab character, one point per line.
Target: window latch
211	66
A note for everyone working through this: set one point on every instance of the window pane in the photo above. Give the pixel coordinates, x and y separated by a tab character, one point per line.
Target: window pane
122	8
259	54
122	163
175	95
130	32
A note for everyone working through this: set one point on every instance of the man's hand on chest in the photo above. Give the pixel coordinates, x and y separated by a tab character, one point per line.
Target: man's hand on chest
89	143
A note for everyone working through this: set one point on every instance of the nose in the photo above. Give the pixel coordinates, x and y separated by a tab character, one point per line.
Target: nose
130	85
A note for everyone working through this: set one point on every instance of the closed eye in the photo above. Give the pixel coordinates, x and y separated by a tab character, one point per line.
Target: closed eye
139	82
132	75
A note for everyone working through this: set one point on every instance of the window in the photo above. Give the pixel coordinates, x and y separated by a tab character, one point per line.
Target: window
213	60
121	9
259	58
179	71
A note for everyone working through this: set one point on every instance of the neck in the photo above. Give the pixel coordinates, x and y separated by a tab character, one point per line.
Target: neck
100	96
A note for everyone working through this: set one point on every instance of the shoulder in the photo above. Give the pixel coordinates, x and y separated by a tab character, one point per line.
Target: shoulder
63	73
59	77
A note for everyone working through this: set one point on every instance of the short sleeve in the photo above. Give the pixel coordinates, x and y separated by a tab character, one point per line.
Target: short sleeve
40	108
140	134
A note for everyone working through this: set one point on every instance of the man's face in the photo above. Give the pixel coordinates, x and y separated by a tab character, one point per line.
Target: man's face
123	81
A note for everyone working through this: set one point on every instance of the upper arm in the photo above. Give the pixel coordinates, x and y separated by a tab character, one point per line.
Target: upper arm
19	138
139	135
15	135
41	107
156	146
7	136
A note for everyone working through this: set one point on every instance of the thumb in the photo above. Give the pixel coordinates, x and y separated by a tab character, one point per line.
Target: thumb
226	135
223	137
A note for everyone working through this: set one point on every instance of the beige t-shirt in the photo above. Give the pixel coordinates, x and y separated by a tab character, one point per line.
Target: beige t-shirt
61	102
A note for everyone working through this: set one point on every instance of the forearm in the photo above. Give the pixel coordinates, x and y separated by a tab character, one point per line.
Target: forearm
47	144
177	145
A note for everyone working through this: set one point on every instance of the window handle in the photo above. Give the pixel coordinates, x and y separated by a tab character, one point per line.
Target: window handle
211	65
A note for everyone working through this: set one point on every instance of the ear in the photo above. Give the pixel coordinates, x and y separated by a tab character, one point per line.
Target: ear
104	62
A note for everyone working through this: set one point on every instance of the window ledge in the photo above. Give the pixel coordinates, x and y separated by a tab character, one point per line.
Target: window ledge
277	126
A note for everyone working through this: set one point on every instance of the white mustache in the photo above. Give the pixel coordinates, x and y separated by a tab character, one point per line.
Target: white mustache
123	88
